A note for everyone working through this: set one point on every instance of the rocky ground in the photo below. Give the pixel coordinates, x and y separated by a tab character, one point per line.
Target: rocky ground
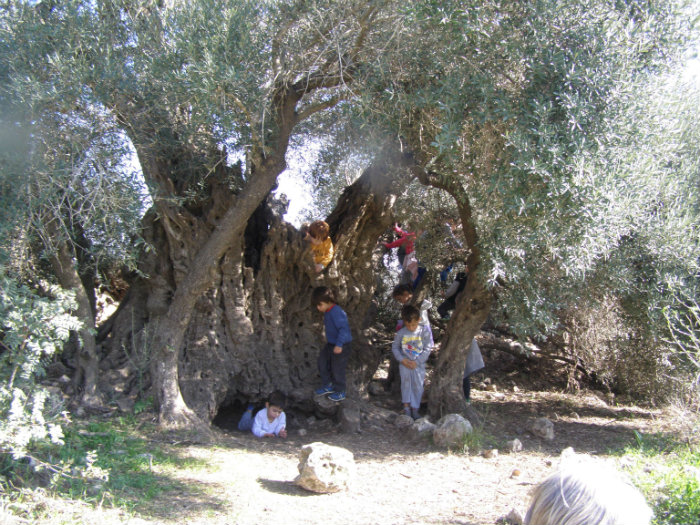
239	479
400	481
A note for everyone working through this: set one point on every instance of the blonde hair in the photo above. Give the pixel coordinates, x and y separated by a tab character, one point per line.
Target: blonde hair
587	493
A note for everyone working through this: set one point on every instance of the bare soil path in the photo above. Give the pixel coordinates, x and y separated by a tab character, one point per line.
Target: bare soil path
249	481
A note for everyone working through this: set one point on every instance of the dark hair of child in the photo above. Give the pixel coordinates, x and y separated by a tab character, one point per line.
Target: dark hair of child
322	294
319	230
277	399
401	289
410	313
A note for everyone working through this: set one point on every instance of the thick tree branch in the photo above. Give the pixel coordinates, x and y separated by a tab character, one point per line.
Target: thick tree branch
321	106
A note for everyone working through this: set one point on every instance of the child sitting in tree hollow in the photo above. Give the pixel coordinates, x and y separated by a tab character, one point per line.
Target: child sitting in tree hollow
321	244
411	348
271	421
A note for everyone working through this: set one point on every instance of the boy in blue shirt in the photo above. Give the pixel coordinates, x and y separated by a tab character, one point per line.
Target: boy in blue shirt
333	357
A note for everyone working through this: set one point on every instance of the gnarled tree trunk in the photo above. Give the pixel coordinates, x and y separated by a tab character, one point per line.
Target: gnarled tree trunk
253	329
65	267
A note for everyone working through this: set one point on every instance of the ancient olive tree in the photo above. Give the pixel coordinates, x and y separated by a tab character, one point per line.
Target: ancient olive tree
211	94
495	103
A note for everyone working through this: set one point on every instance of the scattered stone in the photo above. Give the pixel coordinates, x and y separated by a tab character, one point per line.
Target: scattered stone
349	415
575	415
490	453
542	427
492	388
514	445
516	390
421	428
324	468
451	431
302	432
325	408
376	389
567	453
403	421
54	392
515	473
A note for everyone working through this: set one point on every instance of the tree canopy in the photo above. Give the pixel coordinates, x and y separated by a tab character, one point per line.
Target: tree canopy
546	127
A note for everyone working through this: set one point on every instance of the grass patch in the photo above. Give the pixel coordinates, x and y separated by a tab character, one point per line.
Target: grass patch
668	473
107	463
477	440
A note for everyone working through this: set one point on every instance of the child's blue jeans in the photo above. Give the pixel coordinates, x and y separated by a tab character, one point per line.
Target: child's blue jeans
246	422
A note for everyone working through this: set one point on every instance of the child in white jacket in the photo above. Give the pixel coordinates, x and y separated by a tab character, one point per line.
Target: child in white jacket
271	421
411	348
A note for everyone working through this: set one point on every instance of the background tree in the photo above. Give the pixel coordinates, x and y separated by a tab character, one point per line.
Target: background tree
504	105
71	204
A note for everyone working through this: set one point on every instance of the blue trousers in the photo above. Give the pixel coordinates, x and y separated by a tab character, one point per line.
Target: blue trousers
331	366
246	422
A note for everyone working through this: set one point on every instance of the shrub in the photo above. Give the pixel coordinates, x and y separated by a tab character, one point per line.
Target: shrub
669	476
33	327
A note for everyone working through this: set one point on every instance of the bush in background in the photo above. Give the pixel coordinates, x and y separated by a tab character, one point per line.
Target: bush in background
33	327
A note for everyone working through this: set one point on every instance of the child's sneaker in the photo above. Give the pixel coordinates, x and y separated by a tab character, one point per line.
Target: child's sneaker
414	413
324	390
407	411
337	396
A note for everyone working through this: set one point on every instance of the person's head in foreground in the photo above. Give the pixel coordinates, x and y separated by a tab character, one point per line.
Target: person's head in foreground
587	493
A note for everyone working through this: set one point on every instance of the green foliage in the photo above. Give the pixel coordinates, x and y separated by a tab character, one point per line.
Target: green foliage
683	318
33	329
578	157
669	476
109	463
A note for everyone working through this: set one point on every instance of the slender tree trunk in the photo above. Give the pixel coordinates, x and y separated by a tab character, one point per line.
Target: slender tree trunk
472	309
65	267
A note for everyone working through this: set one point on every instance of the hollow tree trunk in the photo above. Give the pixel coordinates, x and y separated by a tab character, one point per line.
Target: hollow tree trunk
254	330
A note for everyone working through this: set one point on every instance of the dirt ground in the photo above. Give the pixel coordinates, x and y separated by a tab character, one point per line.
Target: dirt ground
398	481
242	480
